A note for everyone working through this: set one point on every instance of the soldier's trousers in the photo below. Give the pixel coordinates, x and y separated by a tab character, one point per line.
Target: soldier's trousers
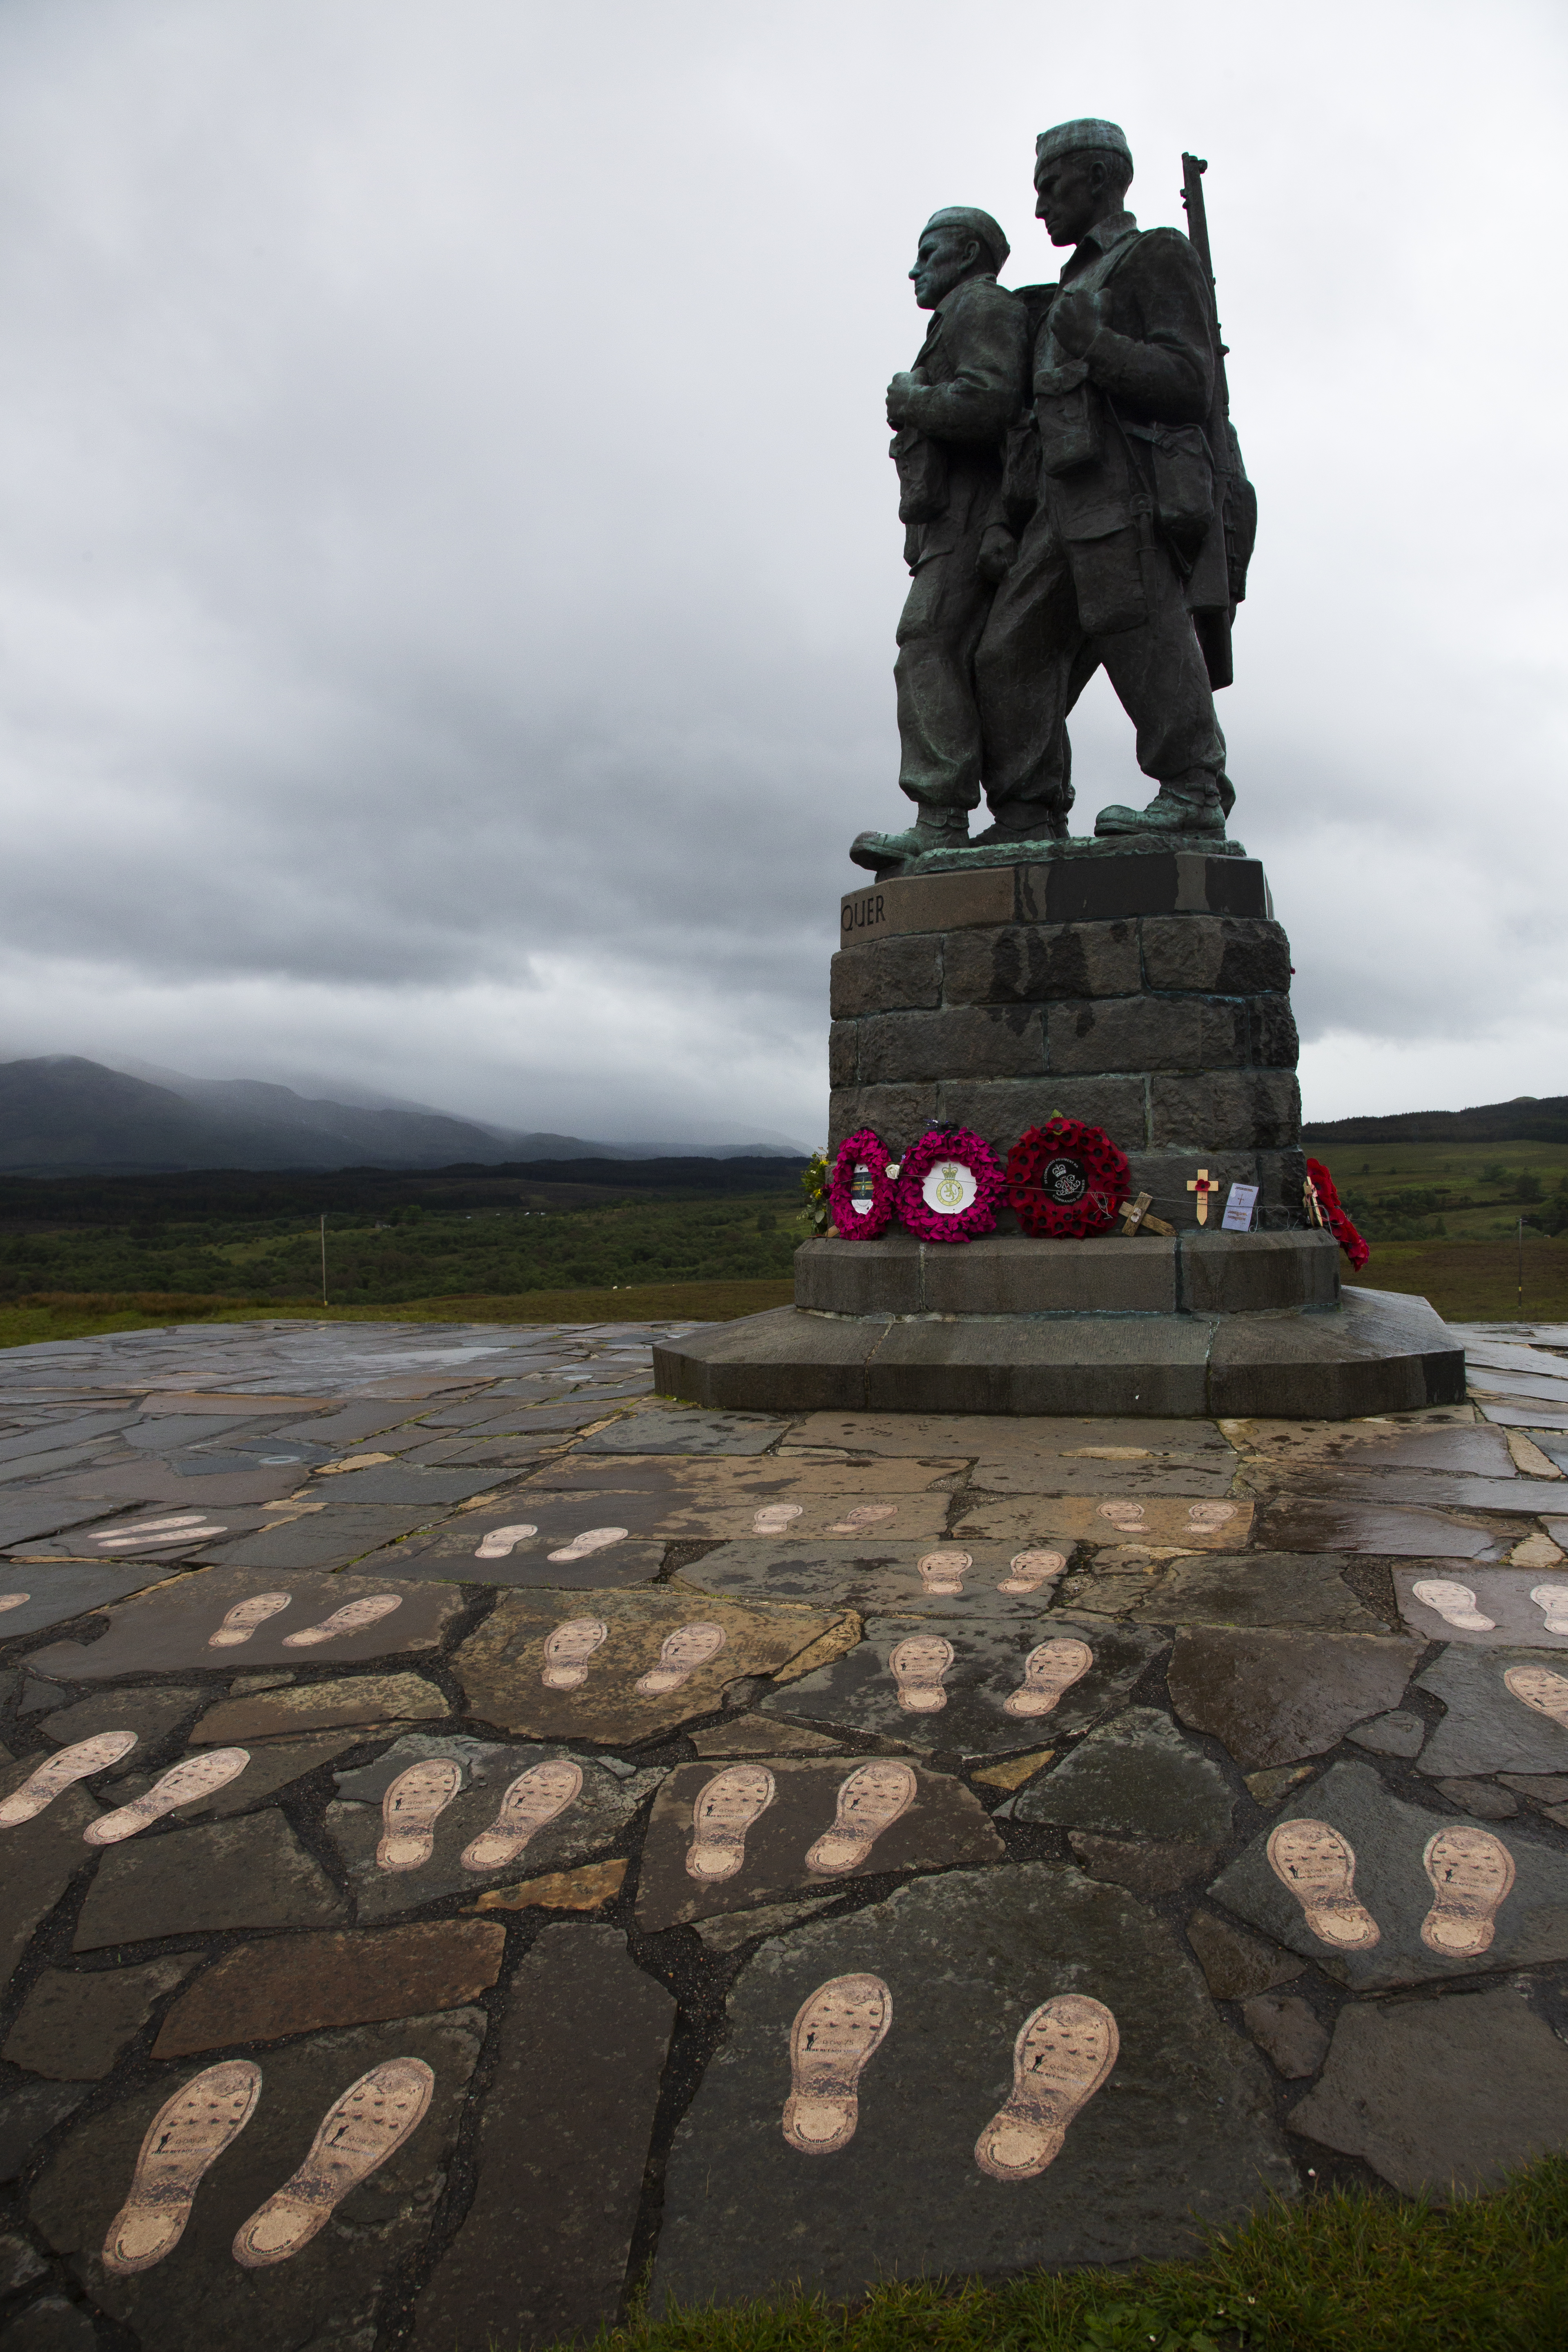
1036	657
938	718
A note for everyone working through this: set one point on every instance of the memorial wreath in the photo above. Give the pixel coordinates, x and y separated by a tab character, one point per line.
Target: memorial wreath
861	1191
949	1185
1067	1180
1320	1194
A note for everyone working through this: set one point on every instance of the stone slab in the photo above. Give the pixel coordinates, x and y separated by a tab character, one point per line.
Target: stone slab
1440	2095
1398	1733
251	1872
304	1984
540	2254
1147	1866
1243	1588
587	1889
73	2024
330	1705
858	1692
1486	1728
39	1859
1287	2032
1523	1498
1298	1448
1273	1698
1179	2139
173	1626
659	1431
274	1764
502	1665
26	1516
26	2115
1236	1965
333	2291
873	1577
154	1712
752	1481
55	1595
1388	1838
333	1537
944	1825
594	1820
754	1735
1503	1595
428	1491
1202	1526
1311	1523
1136	1776
1019	1444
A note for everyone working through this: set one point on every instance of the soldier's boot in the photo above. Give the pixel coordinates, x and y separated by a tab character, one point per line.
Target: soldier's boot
932	829
1022	821
1196	803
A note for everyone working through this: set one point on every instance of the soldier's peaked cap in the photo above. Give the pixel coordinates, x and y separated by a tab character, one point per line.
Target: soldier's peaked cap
1069	138
978	223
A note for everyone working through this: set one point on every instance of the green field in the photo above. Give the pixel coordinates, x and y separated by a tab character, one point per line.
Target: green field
1451	1191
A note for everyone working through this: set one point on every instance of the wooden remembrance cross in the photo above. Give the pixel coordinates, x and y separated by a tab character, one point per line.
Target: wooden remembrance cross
1201	1185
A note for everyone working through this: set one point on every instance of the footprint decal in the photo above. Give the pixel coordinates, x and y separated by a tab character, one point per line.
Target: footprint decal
244	1618
863	1515
1064	2052
502	1542
148	1535
590	1540
410	1809
942	1572
1028	1570
837	2031
183	1784
1049	1669
1128	1517
726	1807
775	1518
1539	1688
351	1618
919	1665
56	1773
1207	1518
1550	1599
1471	1873
353	2139
183	2140
683	1653
1454	1602
568	1650
12	1601
870	1801
533	1802
1318	1865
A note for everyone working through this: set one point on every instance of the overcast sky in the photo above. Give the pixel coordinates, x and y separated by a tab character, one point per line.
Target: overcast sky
448	556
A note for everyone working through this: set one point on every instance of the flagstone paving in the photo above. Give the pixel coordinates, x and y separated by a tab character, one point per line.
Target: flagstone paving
690	1822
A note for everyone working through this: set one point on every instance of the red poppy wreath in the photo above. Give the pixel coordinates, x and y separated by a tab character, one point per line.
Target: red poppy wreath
949	1185
1320	1180
1067	1180
861	1192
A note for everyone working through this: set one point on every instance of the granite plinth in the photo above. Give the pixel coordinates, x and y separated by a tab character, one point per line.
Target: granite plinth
1377	1352
1012	1274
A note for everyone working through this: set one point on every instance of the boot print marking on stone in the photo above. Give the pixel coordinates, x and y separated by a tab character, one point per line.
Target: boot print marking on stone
77	1763
244	1618
1128	1517
1028	1570
836	2030
726	1807
184	2138
410	1809
863	1515
1471	1871
775	1518
682	1654
919	1665
568	1650
1063	2054
351	1618
1318	1865
590	1540
502	1542
1553	1599
942	1572
1540	1689
533	1802
870	1801
1454	1602
1049	1670
357	2135
184	1783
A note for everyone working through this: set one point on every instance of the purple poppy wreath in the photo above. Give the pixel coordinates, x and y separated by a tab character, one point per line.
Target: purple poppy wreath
949	1185
860	1191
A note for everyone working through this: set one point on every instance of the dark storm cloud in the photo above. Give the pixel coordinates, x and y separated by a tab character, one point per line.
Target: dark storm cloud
447	561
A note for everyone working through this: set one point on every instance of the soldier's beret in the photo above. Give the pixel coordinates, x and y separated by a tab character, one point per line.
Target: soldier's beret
1069	137
978	223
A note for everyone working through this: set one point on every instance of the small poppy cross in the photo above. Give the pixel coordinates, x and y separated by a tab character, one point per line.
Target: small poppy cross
1201	1185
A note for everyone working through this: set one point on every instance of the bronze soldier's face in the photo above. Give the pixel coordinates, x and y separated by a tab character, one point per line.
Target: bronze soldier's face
943	257
1067	198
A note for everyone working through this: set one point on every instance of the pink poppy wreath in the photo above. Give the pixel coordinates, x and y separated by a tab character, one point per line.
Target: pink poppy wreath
954	1210
860	1191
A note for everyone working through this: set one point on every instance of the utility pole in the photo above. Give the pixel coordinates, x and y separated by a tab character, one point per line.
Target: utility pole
323	1258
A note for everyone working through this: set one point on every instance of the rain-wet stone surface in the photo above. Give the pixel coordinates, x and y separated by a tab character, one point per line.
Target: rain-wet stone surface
318	1706
1303	1523
1486	1728
327	1538
1275	1697
328	2294
40	1858
1389	1838
174	1627
1503	1595
562	2143
592	1820
252	1872
945	1825
73	2025
57	1594
274	1764
1136	1776
859	1693
1180	2136
453	1551
662	1432
304	1984
873	1577
1250	1588
154	1712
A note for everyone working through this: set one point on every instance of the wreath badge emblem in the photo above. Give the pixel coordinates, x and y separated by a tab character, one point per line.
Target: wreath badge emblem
861	1189
949	1185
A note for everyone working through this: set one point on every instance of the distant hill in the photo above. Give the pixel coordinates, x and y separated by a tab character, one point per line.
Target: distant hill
61	1115
1528	1119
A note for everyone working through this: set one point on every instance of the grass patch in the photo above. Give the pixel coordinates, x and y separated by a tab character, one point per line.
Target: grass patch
1346	2272
1474	1282
80	1315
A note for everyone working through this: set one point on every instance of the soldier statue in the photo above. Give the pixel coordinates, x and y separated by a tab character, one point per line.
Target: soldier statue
1084	532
